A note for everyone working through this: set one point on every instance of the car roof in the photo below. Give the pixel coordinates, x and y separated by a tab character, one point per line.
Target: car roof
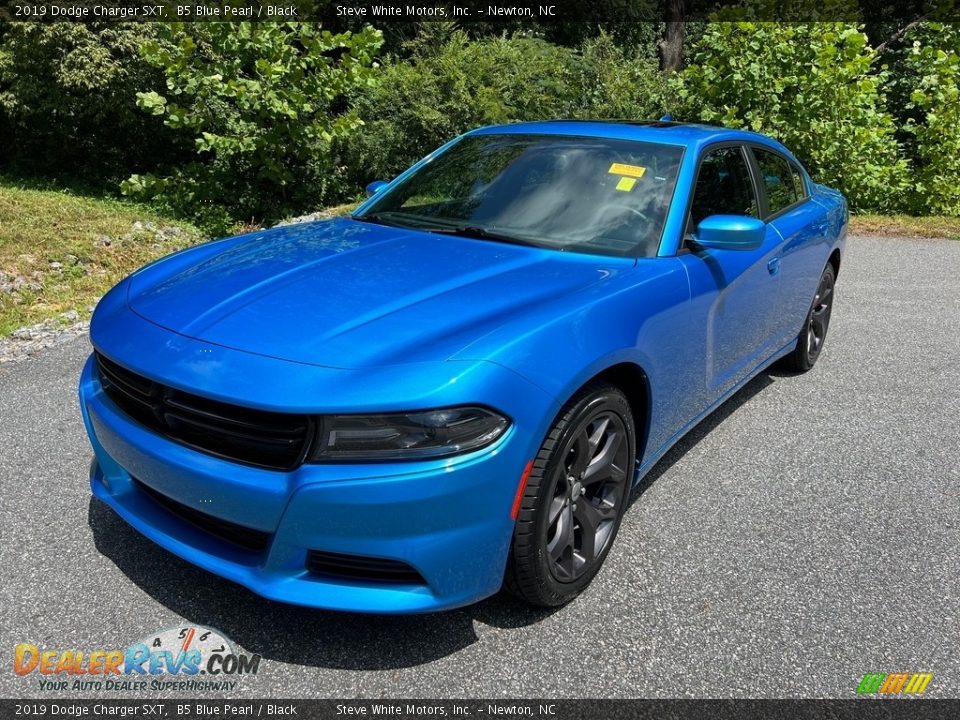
659	131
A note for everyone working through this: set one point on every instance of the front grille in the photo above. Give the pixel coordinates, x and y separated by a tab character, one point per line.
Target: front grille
278	441
365	569
240	535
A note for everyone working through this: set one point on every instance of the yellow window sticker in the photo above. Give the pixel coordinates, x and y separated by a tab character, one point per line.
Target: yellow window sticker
626	184
634	171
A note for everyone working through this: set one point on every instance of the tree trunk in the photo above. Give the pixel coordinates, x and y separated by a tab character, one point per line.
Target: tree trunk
671	46
898	35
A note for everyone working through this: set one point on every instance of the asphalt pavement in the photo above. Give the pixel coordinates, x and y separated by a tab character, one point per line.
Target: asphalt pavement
804	534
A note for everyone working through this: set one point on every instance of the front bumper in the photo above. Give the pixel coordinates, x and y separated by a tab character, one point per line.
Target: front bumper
447	519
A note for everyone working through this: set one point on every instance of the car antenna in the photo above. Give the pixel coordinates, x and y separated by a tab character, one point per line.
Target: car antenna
666	118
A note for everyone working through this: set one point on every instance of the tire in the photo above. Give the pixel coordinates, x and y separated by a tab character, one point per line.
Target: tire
814	333
565	526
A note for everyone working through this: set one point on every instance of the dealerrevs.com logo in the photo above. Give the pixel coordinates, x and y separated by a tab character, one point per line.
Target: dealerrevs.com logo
188	658
890	684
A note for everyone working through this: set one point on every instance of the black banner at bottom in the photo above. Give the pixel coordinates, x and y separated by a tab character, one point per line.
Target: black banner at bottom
180	709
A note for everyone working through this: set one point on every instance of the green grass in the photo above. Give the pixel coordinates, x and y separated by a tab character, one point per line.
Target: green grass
93	240
906	226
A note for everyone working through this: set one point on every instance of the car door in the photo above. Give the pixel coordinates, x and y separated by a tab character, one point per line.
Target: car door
735	293
802	224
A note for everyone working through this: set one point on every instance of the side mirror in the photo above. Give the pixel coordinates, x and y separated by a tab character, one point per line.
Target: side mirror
730	232
375	187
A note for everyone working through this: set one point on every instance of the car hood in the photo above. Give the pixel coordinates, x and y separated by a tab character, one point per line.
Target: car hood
343	293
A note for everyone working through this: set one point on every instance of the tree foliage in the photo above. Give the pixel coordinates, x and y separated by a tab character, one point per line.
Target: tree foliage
450	85
261	103
453	83
613	82
934	63
252	121
815	87
67	92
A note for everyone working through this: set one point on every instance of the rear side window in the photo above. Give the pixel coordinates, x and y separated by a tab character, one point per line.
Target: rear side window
780	180
723	186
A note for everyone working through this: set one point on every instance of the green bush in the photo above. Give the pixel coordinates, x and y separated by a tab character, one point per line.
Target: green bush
815	87
610	82
261	103
68	97
253	121
452	85
934	62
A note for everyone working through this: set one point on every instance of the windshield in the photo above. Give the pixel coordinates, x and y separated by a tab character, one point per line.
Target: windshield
591	195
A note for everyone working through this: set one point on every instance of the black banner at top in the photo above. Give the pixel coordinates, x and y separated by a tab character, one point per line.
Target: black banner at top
508	12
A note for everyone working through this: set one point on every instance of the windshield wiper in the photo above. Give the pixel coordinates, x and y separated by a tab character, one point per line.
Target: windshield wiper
380	218
475	231
470	231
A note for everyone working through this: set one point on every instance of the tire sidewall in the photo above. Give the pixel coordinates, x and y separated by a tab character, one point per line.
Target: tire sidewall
607	400
807	360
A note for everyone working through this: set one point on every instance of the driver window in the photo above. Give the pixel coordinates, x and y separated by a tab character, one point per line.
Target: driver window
723	187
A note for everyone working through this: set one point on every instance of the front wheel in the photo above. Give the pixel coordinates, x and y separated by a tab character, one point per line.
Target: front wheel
575	497
814	332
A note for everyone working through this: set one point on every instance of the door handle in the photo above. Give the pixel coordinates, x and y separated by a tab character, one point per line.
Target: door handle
774	266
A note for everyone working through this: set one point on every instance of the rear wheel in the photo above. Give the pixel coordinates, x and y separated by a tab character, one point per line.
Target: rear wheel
814	332
575	497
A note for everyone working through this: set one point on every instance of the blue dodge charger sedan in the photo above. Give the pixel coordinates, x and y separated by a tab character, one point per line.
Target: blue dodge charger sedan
454	389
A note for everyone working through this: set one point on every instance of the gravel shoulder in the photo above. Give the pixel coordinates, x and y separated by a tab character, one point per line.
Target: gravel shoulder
804	534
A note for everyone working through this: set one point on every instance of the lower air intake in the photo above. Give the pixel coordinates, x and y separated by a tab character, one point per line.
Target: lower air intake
362	569
239	535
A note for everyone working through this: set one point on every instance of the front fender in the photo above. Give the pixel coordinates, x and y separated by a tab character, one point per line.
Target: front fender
642	321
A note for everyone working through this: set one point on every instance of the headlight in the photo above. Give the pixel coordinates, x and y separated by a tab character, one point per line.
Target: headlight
407	436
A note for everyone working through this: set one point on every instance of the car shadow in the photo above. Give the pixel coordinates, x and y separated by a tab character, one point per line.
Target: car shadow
305	636
699	431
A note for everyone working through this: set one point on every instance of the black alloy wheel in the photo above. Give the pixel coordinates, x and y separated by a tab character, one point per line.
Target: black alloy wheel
814	333
575	497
